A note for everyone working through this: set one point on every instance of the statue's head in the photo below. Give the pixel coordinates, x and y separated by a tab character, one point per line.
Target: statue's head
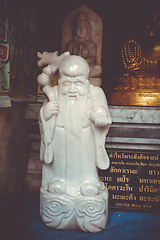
74	72
81	26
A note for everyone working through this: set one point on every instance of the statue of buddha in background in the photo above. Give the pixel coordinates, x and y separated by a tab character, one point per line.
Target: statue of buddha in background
82	46
82	36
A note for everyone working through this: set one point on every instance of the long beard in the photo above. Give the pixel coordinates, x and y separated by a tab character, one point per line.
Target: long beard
73	113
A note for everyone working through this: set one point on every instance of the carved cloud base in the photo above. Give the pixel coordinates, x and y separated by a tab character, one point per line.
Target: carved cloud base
61	211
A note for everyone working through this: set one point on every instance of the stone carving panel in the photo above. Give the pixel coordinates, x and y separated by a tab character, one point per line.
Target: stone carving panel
82	35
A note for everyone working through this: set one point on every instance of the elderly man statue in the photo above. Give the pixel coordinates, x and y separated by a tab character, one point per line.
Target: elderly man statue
73	128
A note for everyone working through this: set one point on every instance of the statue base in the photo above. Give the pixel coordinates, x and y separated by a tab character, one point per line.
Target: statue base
135	97
61	211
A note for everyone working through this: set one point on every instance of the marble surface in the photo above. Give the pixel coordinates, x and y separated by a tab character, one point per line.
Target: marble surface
119	114
134	128
142	115
74	121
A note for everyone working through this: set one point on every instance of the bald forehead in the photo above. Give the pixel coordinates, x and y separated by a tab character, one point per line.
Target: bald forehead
74	66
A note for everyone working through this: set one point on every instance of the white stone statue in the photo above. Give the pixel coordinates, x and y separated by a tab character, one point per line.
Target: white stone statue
74	121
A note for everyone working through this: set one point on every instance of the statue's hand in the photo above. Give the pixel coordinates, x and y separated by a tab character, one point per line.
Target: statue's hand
50	109
99	117
101	122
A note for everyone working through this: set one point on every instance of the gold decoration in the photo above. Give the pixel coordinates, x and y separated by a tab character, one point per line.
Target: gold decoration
140	85
131	55
135	97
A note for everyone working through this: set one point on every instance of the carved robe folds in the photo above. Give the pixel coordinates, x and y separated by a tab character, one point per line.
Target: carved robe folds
72	147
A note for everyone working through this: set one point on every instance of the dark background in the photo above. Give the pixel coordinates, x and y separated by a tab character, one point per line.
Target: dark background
122	20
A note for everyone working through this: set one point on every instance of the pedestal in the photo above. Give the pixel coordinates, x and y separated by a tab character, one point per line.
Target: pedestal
61	211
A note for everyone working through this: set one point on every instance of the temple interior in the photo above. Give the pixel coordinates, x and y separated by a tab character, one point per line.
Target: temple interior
130	79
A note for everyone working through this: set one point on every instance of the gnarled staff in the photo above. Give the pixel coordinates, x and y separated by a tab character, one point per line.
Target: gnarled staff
52	60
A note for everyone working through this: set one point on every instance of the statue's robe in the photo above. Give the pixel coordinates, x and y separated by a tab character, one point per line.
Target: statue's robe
74	158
